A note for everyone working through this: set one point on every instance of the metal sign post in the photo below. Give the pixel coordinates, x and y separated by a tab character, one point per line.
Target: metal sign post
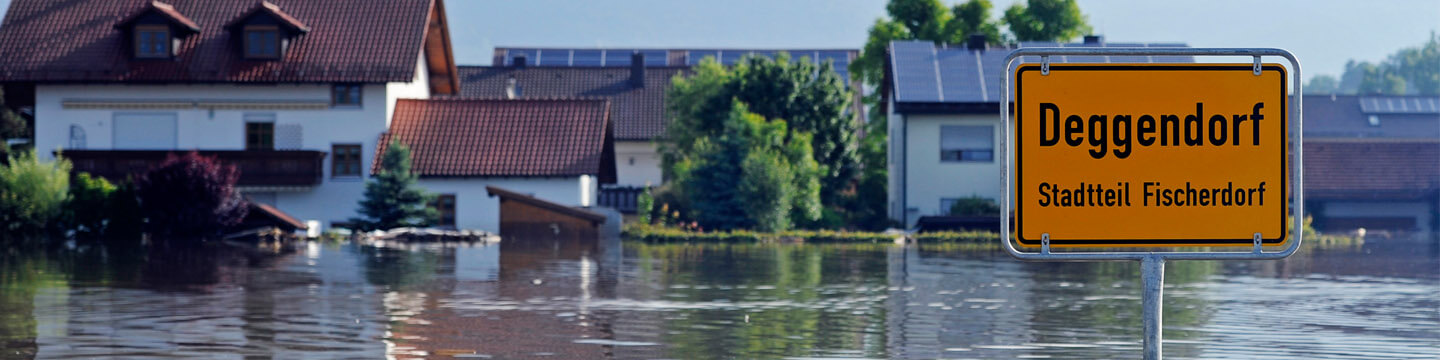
1152	263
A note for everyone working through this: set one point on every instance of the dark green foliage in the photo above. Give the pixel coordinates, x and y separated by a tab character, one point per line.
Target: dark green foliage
645	206
975	206
871	193
12	124
972	17
392	199
1046	20
91	203
32	193
1409	71
190	196
125	221
748	175
808	98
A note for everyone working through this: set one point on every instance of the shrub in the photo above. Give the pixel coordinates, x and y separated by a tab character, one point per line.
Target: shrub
190	195
90	204
975	206
391	197
644	205
32	193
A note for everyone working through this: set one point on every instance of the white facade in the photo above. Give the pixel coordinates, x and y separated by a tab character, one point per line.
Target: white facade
213	117
921	182
475	209
637	163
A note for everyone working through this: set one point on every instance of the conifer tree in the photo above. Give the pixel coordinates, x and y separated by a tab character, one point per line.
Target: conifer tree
391	197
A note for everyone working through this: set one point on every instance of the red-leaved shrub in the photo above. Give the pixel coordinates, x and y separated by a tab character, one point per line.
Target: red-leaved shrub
190	196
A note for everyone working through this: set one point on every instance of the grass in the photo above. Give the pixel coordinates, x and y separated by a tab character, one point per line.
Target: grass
662	234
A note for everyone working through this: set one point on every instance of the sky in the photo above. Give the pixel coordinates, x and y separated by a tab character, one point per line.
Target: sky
1324	34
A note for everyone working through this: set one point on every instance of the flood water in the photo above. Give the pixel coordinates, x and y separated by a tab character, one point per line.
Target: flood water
634	300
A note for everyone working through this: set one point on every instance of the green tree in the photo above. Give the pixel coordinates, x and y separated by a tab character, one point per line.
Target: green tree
869	204
972	17
1046	20
1322	84
753	174
808	98
391	197
32	192
923	19
1414	70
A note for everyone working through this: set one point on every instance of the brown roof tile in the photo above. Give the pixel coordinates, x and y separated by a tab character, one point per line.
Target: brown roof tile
350	41
1371	170
639	113
463	137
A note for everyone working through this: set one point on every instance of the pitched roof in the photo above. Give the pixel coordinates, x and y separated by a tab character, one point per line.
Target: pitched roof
582	214
350	41
1371	170
505	56
1348	117
268	8
639	113
922	72
166	11
465	137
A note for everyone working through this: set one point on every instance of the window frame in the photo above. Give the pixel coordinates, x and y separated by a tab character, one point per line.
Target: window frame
261	29
251	130
961	156
167	40
356	93
336	160
446	218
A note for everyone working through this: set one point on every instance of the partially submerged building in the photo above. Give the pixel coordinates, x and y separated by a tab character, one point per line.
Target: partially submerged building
1372	162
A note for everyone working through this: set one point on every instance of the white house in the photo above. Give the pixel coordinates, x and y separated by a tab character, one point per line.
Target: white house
296	93
943	111
556	150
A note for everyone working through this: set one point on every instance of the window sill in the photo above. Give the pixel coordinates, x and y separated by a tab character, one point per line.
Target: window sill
347	107
349	178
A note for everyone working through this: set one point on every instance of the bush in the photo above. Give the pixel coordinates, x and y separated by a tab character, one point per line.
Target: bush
32	193
90	204
644	205
190	195
975	206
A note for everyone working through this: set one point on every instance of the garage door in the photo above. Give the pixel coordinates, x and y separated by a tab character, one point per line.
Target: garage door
145	131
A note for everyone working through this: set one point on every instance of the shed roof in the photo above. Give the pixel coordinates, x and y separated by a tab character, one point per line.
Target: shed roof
638	112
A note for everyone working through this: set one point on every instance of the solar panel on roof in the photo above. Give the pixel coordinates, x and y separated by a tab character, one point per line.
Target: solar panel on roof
916	78
529	54
656	57
694	56
586	58
618	57
960	76
1400	105
730	57
553	57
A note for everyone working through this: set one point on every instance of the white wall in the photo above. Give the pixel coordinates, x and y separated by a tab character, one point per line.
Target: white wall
637	163
206	129
417	88
926	179
475	209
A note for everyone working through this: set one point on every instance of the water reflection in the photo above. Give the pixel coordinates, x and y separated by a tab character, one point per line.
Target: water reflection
590	299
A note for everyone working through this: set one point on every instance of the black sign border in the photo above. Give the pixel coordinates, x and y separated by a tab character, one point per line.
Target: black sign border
1284	155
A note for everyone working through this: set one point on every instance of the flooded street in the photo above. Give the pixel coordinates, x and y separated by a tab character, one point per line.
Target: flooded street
1376	300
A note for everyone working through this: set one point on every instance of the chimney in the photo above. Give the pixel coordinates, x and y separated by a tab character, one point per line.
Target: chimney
519	61
1094	39
637	70
975	42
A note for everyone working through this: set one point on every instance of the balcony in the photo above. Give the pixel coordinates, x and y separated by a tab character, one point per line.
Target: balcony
283	168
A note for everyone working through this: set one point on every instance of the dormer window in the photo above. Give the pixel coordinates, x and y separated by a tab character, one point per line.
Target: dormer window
155	30
262	42
265	32
152	41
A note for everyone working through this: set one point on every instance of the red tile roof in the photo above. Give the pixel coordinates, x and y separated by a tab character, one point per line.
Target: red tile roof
274	11
350	41
165	10
639	113
1371	170
464	137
